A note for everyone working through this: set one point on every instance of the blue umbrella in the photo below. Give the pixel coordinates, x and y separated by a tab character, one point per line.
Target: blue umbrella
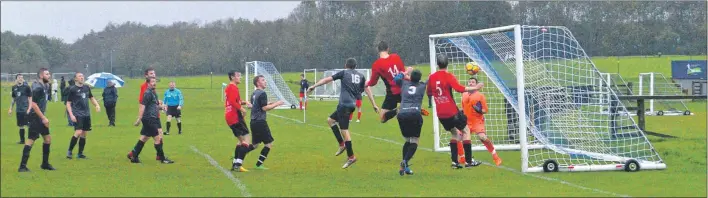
100	80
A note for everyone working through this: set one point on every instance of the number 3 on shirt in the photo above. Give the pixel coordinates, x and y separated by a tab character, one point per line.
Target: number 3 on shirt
437	87
356	79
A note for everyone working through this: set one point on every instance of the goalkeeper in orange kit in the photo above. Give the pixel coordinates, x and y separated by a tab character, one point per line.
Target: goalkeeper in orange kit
474	105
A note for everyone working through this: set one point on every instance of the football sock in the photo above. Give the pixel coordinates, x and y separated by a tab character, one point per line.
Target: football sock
411	151
337	134
72	143
467	144
82	144
264	155
350	151
453	151
25	155
45	153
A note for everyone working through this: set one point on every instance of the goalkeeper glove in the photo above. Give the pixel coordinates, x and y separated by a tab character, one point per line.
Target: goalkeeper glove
424	112
398	77
478	108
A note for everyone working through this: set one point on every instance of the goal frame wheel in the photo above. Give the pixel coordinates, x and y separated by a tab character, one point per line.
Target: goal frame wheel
550	166
687	112
632	166
660	113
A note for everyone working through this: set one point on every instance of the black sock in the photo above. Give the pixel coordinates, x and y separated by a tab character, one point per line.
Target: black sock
405	150
22	135
453	151
25	155
467	145
350	151
168	126
264	156
241	150
390	114
236	152
179	126
337	134
138	147
160	152
45	154
72	143
82	144
411	151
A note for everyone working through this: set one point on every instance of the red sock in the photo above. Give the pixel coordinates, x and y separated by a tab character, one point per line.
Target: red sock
490	146
351	115
300	105
358	117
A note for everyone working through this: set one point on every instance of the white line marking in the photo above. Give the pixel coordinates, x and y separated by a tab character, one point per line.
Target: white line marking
485	163
226	172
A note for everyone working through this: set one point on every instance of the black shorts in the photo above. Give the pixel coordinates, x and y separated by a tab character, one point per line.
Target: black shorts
174	112
151	127
22	119
391	101
410	124
261	132
239	129
341	115
36	128
82	123
458	121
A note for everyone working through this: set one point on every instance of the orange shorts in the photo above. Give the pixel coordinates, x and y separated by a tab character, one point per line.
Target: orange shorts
476	128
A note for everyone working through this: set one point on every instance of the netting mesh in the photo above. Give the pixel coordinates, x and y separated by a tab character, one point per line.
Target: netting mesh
656	84
276	88
564	97
331	90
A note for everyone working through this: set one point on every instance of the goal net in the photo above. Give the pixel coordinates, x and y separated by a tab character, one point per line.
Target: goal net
276	87
331	90
656	84
620	87
545	99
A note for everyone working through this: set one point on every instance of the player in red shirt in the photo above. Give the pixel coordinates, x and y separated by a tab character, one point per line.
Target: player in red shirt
233	113
386	67
440	86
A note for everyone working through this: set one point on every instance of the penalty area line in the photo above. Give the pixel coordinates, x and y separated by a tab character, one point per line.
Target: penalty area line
236	181
485	163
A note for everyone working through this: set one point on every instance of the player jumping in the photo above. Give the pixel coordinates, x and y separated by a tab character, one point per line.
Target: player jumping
409	116
259	126
174	101
234	118
474	104
21	95
439	86
38	122
303	87
148	114
79	113
386	67
352	84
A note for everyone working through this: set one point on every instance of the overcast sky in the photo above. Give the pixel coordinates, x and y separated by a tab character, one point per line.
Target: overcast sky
71	20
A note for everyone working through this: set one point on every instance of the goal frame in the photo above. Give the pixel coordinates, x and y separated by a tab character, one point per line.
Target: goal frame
287	105
652	110
523	121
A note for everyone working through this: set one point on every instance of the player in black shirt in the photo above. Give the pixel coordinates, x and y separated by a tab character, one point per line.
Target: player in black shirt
410	120
352	84
79	113
38	122
148	115
21	95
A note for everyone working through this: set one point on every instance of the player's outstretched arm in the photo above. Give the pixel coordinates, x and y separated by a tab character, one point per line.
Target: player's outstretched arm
320	83
370	95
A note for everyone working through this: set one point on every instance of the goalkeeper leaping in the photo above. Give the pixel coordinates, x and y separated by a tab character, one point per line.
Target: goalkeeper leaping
474	104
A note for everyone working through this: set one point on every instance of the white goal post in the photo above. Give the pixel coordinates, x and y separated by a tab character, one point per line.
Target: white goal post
276	88
545	99
656	84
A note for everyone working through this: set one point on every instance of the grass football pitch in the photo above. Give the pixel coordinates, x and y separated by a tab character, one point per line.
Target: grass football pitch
302	161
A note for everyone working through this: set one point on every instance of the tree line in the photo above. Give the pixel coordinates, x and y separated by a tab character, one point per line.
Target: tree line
321	34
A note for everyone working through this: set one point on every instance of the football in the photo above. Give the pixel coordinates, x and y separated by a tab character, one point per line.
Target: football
472	68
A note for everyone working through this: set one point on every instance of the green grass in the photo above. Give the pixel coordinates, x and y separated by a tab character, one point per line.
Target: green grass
302	162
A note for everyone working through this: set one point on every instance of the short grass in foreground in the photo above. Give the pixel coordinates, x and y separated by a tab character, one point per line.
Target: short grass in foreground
302	162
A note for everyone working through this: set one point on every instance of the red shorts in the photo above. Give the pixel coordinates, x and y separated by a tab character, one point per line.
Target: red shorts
302	95
358	103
